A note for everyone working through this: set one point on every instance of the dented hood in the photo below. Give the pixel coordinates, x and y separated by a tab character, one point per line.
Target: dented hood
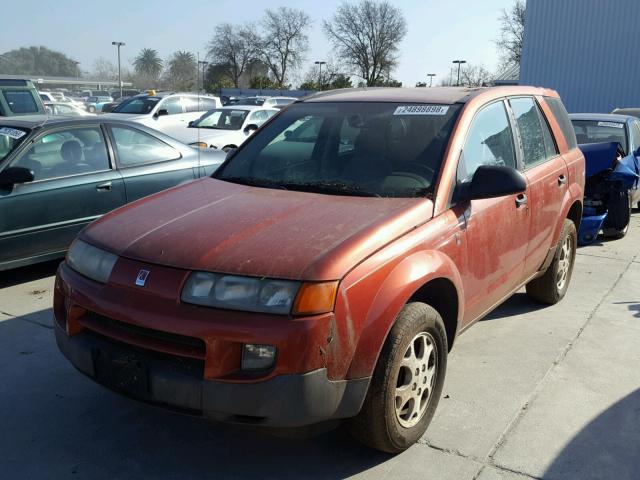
224	227
601	157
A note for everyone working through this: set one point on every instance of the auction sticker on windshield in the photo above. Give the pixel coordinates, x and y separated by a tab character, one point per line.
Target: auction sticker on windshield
610	124
12	132
421	110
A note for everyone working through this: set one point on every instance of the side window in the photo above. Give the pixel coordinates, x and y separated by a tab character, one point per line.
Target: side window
68	152
134	147
207	104
258	118
63	109
558	110
531	136
549	143
190	104
489	142
635	135
21	101
172	105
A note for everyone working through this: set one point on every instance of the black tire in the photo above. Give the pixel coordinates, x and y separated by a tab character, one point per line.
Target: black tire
545	289
377	425
92	109
616	225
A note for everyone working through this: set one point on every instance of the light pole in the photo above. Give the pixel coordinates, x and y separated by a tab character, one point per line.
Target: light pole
204	69
459	62
320	73
431	75
119	44
76	63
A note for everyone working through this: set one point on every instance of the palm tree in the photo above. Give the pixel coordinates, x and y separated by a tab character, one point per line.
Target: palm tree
182	72
148	63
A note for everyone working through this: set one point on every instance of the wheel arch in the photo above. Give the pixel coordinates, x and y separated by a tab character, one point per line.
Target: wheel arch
427	276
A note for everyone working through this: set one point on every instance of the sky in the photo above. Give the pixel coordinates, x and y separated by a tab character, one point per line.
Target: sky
439	31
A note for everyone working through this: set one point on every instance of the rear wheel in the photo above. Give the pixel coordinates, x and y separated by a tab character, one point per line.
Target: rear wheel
407	382
552	286
616	225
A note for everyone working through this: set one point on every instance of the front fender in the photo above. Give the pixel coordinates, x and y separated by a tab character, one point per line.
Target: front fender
402	281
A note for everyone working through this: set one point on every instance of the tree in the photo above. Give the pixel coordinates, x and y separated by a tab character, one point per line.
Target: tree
470	76
284	41
511	36
182	71
366	36
103	69
234	48
37	61
262	81
148	64
331	78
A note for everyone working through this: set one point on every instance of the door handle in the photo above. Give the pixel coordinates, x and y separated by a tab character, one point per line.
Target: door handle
101	187
562	179
521	200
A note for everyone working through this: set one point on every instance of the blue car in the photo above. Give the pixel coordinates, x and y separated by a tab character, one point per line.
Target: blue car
611	147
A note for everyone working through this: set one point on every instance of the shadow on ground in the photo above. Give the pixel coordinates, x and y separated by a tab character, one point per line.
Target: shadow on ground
518	304
16	276
57	423
606	448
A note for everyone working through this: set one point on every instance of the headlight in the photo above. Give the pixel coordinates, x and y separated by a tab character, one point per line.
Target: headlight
90	261
259	295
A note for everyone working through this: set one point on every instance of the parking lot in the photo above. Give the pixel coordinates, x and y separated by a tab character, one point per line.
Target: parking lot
530	392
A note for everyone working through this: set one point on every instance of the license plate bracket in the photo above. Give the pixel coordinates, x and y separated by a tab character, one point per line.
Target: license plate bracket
126	373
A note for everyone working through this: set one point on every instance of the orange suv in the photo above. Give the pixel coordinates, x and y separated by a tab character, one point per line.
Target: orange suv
326	268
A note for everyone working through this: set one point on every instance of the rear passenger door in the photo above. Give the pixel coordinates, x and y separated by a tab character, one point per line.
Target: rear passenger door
148	164
74	183
547	176
497	229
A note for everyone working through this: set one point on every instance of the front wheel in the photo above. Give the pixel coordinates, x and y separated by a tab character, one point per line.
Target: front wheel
616	225
551	287
92	109
407	382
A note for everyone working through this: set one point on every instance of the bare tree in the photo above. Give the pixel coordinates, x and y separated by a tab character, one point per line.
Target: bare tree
104	69
234	47
284	41
474	76
511	36
366	36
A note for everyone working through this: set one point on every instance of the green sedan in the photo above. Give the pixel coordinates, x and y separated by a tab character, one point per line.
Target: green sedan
57	174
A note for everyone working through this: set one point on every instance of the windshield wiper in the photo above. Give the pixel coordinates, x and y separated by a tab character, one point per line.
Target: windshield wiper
254	182
331	188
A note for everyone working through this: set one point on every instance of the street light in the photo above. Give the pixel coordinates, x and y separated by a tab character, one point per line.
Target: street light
119	44
320	73
431	75
76	63
204	67
459	62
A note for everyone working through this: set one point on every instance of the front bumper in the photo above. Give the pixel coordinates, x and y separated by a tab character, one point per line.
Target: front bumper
146	345
282	401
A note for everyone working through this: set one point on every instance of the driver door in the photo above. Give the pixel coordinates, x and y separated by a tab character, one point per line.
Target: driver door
74	183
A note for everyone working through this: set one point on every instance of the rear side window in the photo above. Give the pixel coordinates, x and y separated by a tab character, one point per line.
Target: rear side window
20	101
558	110
528	122
137	148
490	142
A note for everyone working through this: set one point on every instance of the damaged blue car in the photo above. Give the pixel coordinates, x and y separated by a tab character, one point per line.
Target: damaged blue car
611	147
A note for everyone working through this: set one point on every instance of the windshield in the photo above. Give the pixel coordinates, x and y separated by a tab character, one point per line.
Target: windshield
594	131
10	138
222	119
250	101
139	105
368	149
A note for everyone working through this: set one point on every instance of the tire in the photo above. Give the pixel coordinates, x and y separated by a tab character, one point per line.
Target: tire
616	225
378	425
92	109
226	148
548	288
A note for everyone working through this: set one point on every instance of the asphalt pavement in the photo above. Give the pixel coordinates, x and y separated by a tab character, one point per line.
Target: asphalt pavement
531	392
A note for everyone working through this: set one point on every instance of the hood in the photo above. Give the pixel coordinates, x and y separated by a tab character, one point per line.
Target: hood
125	116
602	157
224	227
190	135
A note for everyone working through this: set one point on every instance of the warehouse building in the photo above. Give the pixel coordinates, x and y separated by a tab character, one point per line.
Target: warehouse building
587	50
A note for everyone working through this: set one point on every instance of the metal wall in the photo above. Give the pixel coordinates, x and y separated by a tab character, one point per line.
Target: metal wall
587	50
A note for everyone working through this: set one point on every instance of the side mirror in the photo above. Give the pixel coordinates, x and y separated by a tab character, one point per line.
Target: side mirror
492	181
249	129
12	175
161	113
287	134
191	123
230	153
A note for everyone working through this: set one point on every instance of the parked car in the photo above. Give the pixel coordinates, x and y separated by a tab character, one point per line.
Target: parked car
48	96
94	93
223	128
278	102
327	276
611	146
634	112
19	97
57	174
255	101
69	109
164	111
95	104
